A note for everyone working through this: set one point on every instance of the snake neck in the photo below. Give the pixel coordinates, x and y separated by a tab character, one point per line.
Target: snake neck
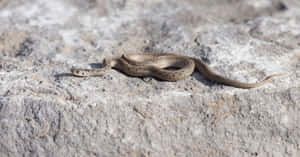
110	62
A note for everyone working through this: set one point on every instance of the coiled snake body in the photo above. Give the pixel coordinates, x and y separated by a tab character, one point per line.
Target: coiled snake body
155	64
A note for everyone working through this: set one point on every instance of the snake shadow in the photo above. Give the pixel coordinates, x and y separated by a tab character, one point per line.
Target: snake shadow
96	65
61	75
205	81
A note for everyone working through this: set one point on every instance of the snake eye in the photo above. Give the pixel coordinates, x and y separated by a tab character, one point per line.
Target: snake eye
75	71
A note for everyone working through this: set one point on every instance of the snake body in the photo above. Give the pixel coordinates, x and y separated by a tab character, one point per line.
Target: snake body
155	64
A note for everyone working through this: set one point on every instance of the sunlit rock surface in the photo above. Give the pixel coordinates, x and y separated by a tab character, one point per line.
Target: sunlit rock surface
45	111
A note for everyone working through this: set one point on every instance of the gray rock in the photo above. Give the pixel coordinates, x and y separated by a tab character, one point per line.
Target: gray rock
45	111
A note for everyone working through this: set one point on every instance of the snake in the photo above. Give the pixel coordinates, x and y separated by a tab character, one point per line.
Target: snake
158	65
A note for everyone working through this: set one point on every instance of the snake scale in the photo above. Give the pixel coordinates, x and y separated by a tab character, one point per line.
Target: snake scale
156	64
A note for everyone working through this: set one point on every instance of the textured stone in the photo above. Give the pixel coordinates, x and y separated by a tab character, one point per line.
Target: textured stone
45	111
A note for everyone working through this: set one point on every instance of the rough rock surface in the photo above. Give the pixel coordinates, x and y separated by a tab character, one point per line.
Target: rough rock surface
44	111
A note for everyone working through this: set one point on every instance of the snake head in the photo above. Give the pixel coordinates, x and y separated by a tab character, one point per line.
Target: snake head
80	72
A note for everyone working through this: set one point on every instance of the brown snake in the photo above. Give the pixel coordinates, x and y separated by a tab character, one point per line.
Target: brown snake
155	64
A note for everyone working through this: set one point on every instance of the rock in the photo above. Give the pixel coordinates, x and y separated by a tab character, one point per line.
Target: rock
45	111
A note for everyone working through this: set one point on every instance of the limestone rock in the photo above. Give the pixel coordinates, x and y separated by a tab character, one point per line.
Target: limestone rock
45	111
